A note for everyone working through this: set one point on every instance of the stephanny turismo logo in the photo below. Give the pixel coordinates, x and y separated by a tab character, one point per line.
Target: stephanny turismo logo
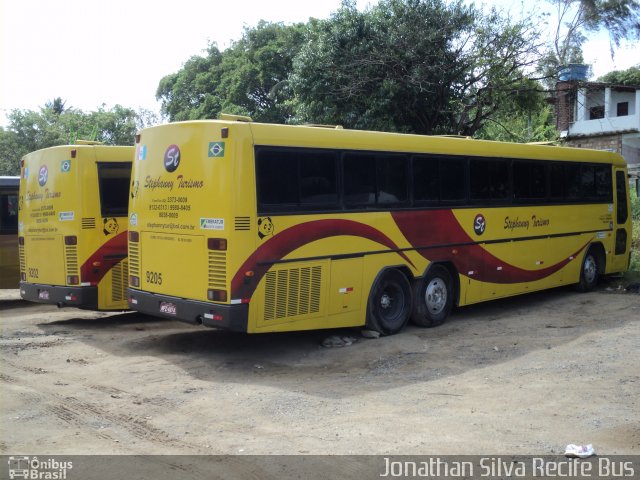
38	469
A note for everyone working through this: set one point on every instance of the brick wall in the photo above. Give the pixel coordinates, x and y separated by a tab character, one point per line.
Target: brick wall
564	104
612	143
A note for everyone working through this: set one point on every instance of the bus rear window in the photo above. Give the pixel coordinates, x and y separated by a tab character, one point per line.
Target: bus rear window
113	181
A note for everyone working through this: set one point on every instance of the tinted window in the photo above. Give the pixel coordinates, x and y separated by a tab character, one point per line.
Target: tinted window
392	173
318	180
8	212
277	173
453	180
375	178
489	179
359	179
603	182
622	212
426	182
113	180
588	181
529	180
296	179
572	181
556	181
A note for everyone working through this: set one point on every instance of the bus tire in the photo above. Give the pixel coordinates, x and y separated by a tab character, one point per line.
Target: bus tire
434	297
389	304
588	272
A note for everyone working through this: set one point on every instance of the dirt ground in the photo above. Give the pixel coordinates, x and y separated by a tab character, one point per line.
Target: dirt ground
527	375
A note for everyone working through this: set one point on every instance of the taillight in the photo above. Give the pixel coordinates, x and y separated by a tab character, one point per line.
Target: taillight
217	243
217	295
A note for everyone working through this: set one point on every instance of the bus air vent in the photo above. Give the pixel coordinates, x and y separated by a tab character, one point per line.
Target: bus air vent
22	258
134	259
88	223
119	281
71	259
292	292
217	270
242	223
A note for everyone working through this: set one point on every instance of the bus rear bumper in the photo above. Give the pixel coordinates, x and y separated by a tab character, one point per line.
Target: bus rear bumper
62	296
227	317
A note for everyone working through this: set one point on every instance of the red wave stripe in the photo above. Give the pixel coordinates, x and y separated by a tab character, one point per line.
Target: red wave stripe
114	246
440	227
283	243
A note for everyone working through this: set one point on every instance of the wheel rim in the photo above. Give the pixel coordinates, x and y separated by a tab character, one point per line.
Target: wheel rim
435	296
590	269
390	303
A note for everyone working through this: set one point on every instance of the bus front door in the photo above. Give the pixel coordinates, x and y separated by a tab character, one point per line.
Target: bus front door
622	235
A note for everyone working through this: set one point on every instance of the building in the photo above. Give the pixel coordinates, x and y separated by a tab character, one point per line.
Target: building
601	116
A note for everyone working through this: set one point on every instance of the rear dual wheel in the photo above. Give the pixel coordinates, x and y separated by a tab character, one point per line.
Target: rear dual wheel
433	297
389	305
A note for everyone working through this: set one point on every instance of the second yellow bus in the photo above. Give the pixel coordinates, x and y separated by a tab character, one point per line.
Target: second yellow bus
73	225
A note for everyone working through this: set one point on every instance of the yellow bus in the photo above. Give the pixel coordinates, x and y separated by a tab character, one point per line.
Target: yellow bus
9	270
73	225
262	228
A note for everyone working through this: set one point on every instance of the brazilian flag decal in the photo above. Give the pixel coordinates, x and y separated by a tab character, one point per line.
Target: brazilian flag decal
216	149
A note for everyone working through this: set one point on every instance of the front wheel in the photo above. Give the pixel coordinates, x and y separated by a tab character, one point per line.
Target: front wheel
588	272
434	297
389	303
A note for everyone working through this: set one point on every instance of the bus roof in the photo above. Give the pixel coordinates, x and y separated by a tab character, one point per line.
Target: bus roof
7	181
314	137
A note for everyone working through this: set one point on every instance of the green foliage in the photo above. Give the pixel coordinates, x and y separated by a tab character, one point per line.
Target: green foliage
54	125
421	66
635	236
249	78
630	76
535	125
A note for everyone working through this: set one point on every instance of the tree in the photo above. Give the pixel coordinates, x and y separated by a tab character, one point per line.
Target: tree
421	66
630	76
575	18
191	92
28	131
249	78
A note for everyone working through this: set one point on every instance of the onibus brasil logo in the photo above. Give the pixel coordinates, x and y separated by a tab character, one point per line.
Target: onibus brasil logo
40	469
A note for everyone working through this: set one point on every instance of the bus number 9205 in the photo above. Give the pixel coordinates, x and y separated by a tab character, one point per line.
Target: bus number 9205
154	277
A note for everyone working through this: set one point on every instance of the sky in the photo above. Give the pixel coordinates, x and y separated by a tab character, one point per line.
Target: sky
91	53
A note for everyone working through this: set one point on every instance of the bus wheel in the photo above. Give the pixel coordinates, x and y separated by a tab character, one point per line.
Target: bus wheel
434	296
588	272
389	304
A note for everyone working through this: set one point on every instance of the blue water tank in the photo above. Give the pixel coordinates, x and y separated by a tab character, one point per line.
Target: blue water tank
574	71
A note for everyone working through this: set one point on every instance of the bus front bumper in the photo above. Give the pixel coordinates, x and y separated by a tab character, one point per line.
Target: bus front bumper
227	317
60	295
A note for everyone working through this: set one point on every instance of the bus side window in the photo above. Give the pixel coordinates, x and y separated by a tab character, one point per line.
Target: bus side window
8	213
359	179
426	179
572	181
453	180
603	183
